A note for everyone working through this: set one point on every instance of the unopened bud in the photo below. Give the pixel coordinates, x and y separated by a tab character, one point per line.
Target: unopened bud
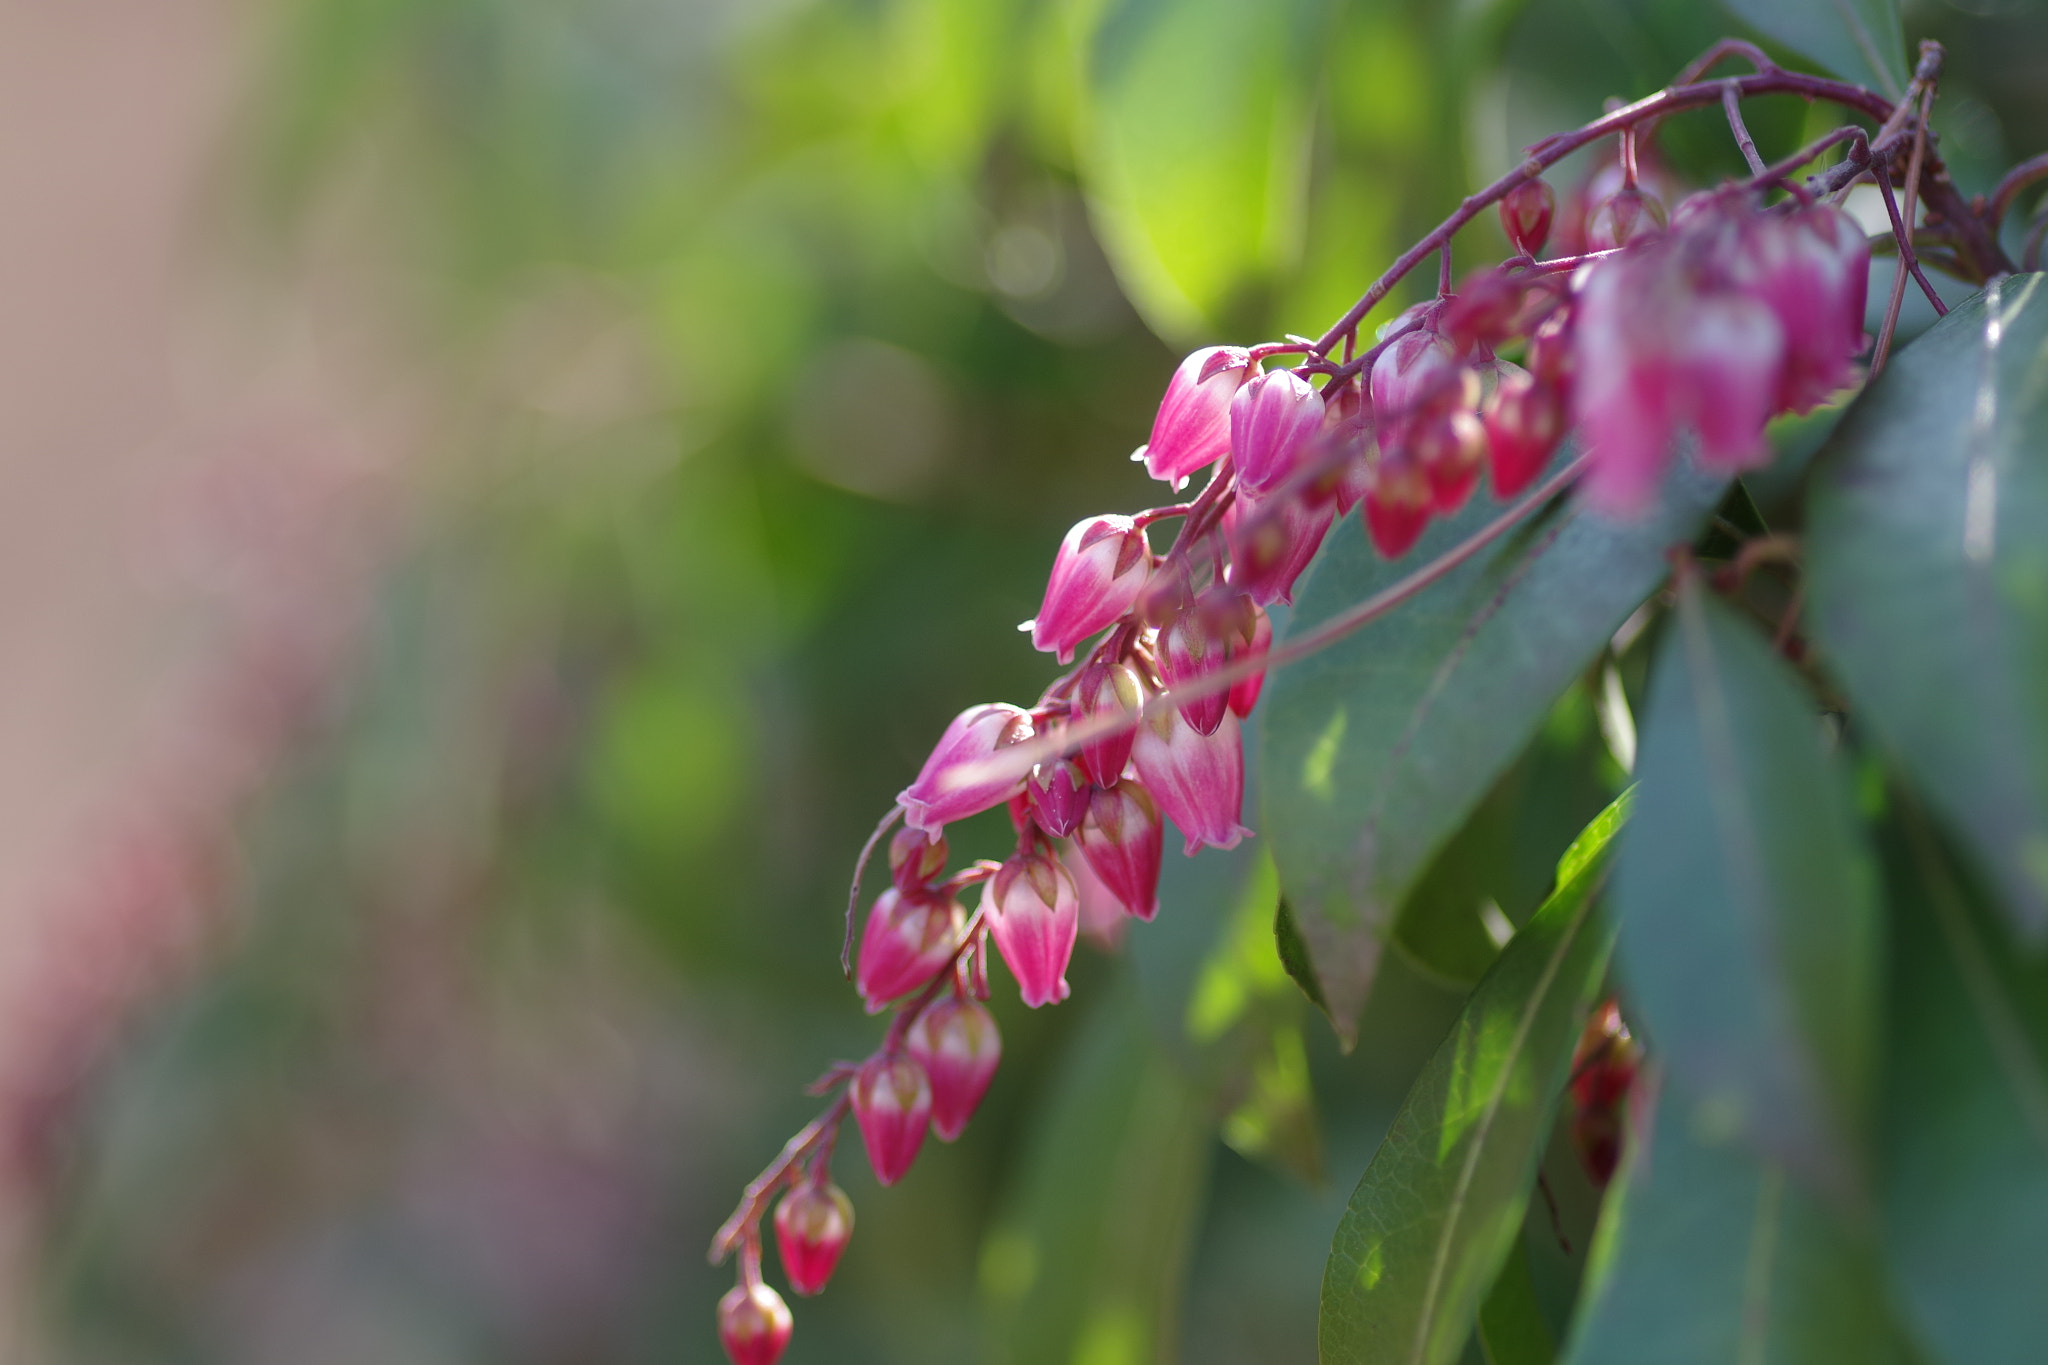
1108	690
965	774
1622	217
1274	421
1346	470
812	1226
1272	542
1096	576
1244	693
956	1043
908	941
1121	842
916	859
1525	215
892	1102
1525	420
1192	428
1451	448
1196	779
1034	914
1397	507
1188	651
753	1324
1059	797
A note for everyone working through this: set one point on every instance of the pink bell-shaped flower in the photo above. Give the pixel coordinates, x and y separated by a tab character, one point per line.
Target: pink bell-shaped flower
1811	268
1525	214
1244	693
1105	689
1397	506
1272	542
1197	779
1192	429
908	941
753	1324
1034	913
813	1223
1103	916
1275	419
892	1102
1188	651
956	1043
916	860
1525	420
1059	796
1096	576
1121	843
966	773
1417	372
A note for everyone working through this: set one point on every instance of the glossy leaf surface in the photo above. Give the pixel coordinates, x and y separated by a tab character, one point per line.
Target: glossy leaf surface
1857	40
1438	1211
1928	565
1745	900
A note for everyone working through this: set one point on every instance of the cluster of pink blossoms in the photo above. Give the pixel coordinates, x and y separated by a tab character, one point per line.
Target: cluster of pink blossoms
1710	318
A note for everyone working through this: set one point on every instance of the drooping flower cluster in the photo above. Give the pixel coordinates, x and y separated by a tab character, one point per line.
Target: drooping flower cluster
1710	318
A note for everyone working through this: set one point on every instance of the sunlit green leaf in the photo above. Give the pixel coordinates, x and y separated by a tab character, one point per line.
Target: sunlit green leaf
1378	748
1965	1124
1512	1329
1706	1255
1748	925
1857	40
1438	1210
1928	568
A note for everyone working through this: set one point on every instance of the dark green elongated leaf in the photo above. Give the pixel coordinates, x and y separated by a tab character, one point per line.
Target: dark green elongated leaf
1087	1260
1438	1210
1857	40
1378	748
1708	1255
1927	558
1965	1127
1745	899
1512	1329
1193	128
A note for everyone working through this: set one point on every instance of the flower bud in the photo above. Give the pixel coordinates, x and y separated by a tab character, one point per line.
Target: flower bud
753	1325
1244	693
1187	652
1272	542
1622	217
956	1043
1346	448
1108	690
908	941
1525	214
1812	270
1416	373
1034	914
1274	421
1524	422
1101	565
965	775
916	859
1451	448
812	1226
1603	1071
1121	844
1103	916
1192	429
1197	779
892	1102
1397	507
1059	797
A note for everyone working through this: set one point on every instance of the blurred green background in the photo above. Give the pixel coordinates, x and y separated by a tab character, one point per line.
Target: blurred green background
772	346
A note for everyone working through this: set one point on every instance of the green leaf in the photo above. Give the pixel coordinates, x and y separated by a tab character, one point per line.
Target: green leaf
1437	1212
1193	134
1512	1328
1748	922
1378	748
1927	560
1707	1255
1857	40
1965	1124
1087	1261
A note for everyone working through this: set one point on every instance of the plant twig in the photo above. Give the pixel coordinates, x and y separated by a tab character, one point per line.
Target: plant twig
1731	104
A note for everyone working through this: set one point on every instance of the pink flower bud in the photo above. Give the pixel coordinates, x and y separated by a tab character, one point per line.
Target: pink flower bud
1524	422
753	1325
1244	693
1525	213
964	775
1188	651
1103	916
1121	843
1192	430
956	1043
1623	217
916	859
892	1102
1059	797
1272	542
908	941
1096	576
1347	443
1034	913
1416	372
1274	421
1398	505
1812	270
1108	690
1198	780
1451	448
812	1226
